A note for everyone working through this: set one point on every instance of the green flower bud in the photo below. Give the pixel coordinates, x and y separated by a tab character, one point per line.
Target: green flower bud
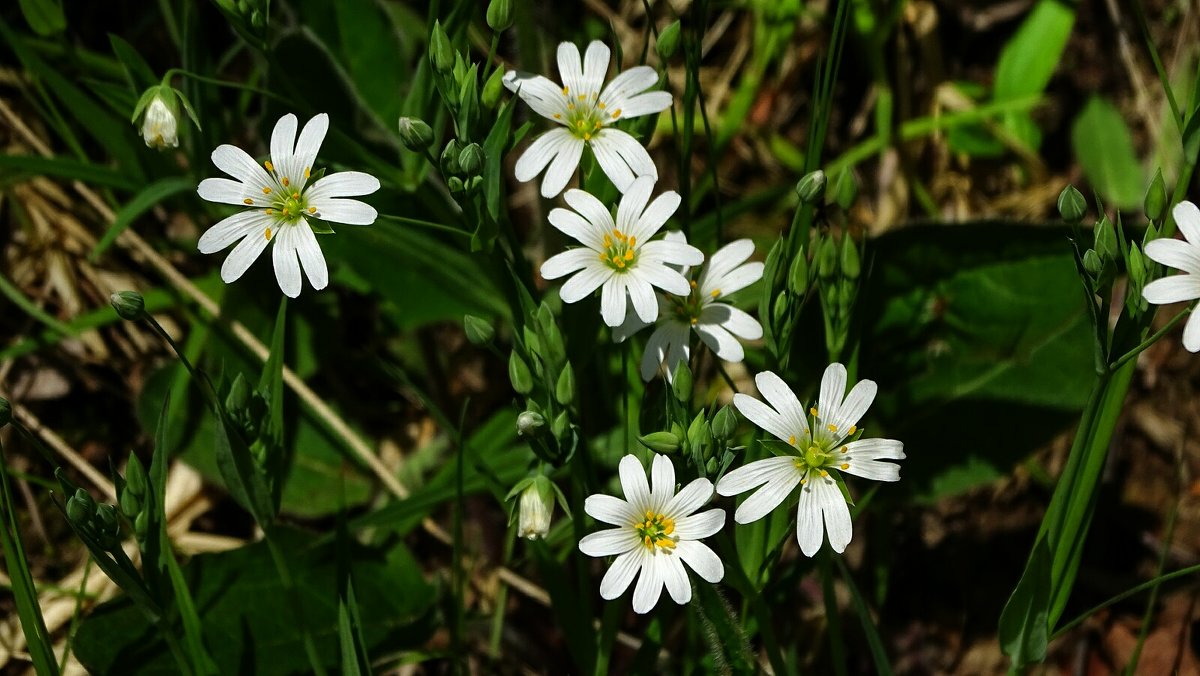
1156	197
560	426
499	15
470	160
827	259
850	262
660	442
535	509
449	158
668	41
415	134
681	382
78	510
798	273
5	412
564	390
1150	235
1137	270
136	481
551	348
1093	264
479	330
780	309
455	184
1106	239
108	526
519	375
1071	205
710	467
128	304
724	423
530	424
441	52
699	436
493	88
141	524
237	402
131	505
811	187
845	189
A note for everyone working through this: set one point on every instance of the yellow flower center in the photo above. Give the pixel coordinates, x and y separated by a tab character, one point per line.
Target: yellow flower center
585	114
620	251
656	531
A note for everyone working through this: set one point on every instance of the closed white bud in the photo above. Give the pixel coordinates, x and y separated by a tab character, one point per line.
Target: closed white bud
535	509
160	124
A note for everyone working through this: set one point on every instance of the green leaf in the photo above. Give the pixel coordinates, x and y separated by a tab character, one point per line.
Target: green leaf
1029	60
137	71
728	645
45	17
1024	628
242	476
1104	147
249	620
140	204
66	168
493	148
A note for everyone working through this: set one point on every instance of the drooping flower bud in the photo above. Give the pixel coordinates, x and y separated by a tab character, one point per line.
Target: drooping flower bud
1071	205
535	509
160	120
129	305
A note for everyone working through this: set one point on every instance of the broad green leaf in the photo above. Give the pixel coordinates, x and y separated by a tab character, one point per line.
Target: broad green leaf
1024	628
66	168
1029	60
137	71
1104	147
45	17
141	203
248	621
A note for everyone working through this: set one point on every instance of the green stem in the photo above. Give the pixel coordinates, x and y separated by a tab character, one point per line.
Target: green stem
1150	341
425	224
226	83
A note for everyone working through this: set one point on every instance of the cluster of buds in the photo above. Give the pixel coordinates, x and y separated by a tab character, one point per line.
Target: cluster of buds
705	440
540	373
133	496
98	522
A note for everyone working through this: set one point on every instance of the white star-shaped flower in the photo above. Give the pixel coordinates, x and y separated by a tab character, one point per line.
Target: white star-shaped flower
587	111
821	451
656	533
617	257
1184	256
278	202
718	324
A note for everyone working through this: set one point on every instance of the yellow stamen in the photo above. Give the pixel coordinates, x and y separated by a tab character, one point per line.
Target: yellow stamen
845	449
853	429
266	191
269	166
570	106
619	262
813	411
601	105
603	257
792	440
633	241
268	234
587	137
582	97
286	181
248	201
649	514
607	241
695	321
566	91
692	283
845	465
716	292
307	174
295	195
824	473
285	211
629	255
616	113
270	212
833	428
312	210
557	116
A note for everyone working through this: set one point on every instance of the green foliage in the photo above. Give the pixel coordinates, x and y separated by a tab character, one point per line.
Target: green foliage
1105	150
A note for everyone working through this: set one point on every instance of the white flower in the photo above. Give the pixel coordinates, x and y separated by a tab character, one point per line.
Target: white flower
1184	256
160	125
617	257
716	323
656	534
819	438
587	109
278	201
535	509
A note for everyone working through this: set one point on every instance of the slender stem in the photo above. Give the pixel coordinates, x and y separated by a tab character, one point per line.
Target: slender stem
1149	584
1149	341
425	224
226	83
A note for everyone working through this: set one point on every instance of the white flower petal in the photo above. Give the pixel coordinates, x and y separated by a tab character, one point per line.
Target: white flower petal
610	542
234	161
752	475
595	66
699	526
725	260
287	265
563	264
225	191
570	68
562	167
783	400
875	470
621	573
665	251
592	209
242	256
307	147
676	580
609	509
732	320
656	274
702	559
629	150
283	144
690	498
650	583
721	342
767	498
626	84
311	257
656	350
632	204
584	283
645	304
678	347
612	300
833	387
342	184
662	482
836	513
612	164
539	93
633	483
1173	289
645	104
539	154
768	419
656	215
733	281
1187	217
855	405
1176	254
1191	333
348	211
875	449
630	326
231	229
577	227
